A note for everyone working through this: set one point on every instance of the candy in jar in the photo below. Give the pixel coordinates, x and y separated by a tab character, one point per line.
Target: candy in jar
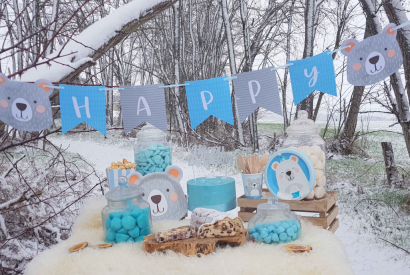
126	218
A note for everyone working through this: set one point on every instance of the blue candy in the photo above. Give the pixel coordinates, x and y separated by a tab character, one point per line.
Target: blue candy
258	226
136	212
255	235
121	237
264	233
288	239
110	235
295	228
139	239
271	228
115	214
145	211
126	213
260	239
135	232
280	229
130	240
123	231
116	223
283	236
107	223
275	238
142	221
285	225
145	231
267	240
252	230
128	222
294	237
290	232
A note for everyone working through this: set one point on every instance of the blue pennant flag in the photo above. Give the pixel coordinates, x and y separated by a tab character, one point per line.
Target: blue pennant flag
83	104
209	97
313	73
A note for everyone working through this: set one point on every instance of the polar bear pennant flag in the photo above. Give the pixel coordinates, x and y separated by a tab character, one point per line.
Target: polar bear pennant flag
315	73
373	59
25	106
83	104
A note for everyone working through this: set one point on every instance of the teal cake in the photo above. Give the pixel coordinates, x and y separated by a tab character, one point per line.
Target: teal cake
217	193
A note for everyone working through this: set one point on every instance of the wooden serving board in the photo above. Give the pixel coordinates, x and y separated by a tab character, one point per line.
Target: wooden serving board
194	245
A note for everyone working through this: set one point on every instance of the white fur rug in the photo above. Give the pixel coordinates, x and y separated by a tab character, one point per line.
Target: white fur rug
328	255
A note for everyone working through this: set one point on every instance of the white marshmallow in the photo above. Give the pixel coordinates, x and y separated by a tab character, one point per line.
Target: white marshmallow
319	192
321	182
316	150
314	160
319	165
323	157
319	173
306	149
311	195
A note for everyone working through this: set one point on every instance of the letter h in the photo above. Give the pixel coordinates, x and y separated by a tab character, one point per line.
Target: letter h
86	106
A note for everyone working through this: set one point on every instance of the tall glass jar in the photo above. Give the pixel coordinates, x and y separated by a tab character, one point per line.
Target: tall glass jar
126	217
304	134
152	151
274	223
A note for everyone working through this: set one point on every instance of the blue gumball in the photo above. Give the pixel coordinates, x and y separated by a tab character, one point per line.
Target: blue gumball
290	231
267	240
123	231
288	239
130	240
121	237
143	221
115	214
145	231
110	235
260	239
145	211
264	233
285	225
271	228
136	212
252	230
135	232
139	239
255	235
283	236
275	238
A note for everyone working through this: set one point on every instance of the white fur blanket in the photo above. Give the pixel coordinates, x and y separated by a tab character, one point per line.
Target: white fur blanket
328	255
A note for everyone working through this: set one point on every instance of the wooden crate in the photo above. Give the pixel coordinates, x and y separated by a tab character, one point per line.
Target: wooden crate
321	212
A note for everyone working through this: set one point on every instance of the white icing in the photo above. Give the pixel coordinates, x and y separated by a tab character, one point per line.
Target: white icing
200	215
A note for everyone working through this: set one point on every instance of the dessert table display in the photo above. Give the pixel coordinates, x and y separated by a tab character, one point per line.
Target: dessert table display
328	255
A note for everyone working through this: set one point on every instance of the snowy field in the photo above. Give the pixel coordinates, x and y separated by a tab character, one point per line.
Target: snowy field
364	218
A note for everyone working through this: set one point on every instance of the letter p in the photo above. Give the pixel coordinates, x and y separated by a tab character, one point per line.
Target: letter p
204	102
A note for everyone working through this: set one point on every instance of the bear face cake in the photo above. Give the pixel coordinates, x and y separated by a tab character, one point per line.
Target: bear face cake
163	192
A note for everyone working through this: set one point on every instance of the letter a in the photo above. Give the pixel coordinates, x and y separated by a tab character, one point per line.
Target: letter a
204	103
146	106
253	95
77	108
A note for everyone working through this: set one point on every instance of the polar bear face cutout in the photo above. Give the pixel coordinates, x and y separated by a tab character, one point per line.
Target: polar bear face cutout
292	181
374	58
163	192
25	106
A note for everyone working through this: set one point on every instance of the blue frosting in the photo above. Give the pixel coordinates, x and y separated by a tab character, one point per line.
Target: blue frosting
214	193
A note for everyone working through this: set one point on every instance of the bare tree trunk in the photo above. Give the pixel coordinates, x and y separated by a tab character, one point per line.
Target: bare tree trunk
232	64
390	164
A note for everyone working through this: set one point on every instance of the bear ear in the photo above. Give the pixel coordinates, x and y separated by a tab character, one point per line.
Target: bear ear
42	84
275	165
175	172
350	44
3	79
294	158
389	29
134	177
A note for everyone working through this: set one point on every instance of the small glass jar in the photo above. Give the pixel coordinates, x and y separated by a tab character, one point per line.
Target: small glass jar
274	223
304	135
127	216
152	152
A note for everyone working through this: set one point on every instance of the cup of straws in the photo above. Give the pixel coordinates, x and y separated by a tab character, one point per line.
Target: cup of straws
252	174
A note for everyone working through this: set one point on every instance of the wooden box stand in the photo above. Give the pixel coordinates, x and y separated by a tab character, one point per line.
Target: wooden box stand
321	212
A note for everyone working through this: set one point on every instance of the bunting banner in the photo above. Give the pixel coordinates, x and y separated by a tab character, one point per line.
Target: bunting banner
83	104
25	106
209	97
313	73
256	89
373	59
143	104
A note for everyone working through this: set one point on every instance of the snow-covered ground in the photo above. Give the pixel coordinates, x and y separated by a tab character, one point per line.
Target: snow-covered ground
367	253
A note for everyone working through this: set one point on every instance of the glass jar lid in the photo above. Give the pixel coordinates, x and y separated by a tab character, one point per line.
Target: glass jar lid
303	125
124	191
149	132
269	208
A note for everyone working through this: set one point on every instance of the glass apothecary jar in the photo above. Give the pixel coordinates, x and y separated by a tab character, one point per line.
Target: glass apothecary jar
304	134
126	217
152	151
274	223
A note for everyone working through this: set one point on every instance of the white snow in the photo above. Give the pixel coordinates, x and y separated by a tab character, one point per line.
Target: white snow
75	53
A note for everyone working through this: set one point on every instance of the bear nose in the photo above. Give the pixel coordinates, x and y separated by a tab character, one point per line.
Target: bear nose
374	59
156	199
21	106
289	173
